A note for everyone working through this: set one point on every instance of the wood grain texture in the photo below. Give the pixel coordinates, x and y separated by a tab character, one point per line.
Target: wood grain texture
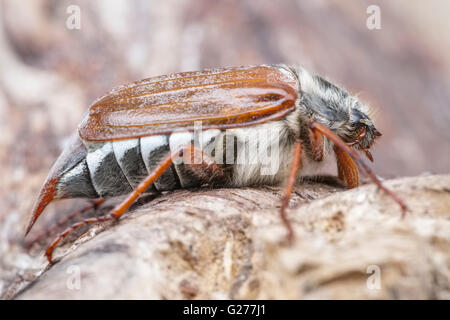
50	74
228	243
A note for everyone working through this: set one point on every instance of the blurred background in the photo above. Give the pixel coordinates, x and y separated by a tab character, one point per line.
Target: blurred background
50	72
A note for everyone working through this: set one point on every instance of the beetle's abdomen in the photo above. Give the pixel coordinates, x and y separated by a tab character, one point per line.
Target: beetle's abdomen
115	168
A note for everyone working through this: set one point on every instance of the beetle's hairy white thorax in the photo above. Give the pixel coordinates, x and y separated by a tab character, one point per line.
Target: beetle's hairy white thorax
262	154
265	154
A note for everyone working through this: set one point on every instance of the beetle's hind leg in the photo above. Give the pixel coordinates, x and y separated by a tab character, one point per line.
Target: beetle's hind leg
93	205
186	153
120	209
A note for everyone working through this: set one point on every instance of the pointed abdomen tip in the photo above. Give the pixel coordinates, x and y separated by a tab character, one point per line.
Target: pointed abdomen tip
47	195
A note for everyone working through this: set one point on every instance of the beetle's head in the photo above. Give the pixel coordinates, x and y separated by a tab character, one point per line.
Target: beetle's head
341	112
361	132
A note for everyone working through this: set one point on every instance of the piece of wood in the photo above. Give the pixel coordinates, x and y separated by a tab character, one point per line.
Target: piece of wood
227	243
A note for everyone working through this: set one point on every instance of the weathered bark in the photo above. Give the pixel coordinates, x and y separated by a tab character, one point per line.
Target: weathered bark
49	75
229	243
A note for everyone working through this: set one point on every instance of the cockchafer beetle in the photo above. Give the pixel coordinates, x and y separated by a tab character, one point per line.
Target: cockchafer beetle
129	140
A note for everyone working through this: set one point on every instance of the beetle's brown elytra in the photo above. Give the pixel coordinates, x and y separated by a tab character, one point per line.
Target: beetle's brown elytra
220	98
130	140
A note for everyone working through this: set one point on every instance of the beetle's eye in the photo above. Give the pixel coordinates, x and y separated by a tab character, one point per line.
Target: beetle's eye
357	120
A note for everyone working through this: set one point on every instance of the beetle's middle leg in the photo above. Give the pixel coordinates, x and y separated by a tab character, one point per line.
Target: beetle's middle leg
203	166
296	164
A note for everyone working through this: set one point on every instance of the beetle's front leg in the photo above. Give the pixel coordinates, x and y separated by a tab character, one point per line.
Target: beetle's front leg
340	144
316	143
347	168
